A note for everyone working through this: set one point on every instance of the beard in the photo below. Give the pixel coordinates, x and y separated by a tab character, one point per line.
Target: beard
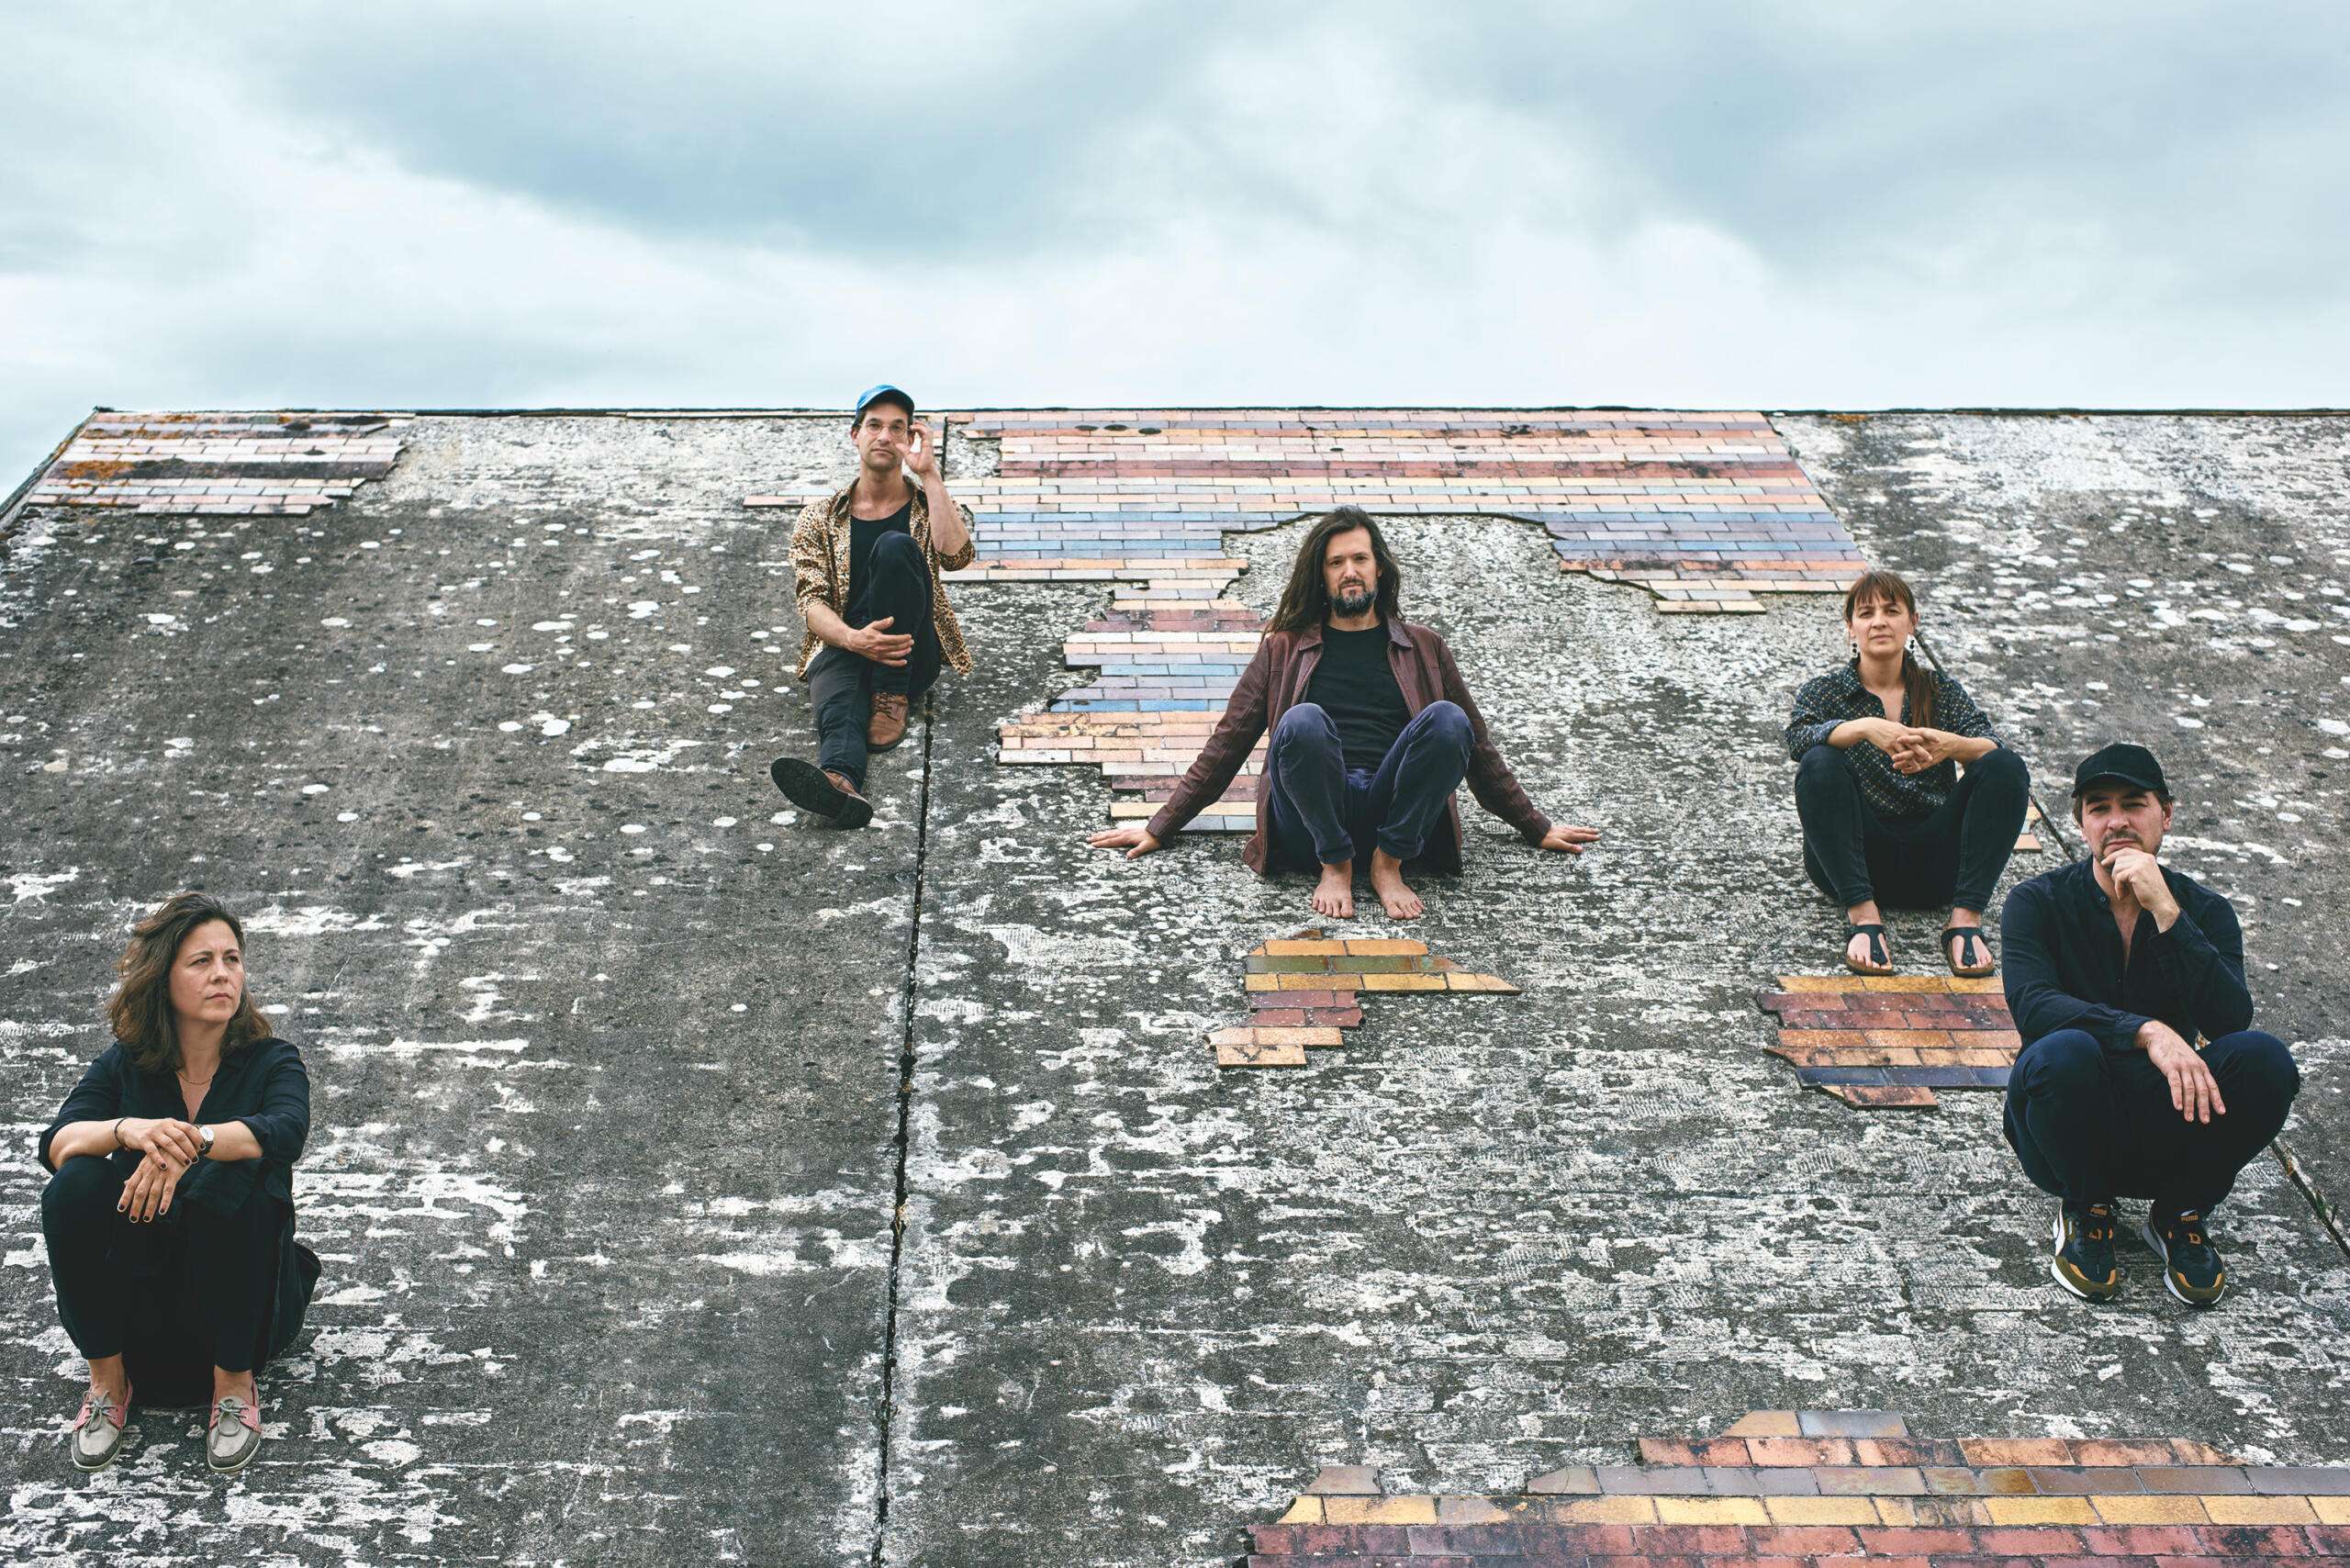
1349	605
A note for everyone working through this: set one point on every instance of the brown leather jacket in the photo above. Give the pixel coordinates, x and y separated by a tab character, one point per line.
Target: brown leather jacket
1275	682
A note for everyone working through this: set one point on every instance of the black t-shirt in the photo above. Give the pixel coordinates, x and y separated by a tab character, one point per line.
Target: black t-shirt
863	535
1354	684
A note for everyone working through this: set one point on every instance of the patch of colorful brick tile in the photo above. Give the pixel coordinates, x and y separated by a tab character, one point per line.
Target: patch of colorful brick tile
217	462
1302	990
1889	1041
1703	510
1824	1485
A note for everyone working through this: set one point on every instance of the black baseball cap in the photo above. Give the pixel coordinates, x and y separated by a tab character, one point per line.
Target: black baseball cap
885	393
2131	764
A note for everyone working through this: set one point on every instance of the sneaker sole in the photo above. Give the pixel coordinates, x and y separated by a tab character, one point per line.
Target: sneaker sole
106	1463
2056	1267
805	786
2153	1239
218	1469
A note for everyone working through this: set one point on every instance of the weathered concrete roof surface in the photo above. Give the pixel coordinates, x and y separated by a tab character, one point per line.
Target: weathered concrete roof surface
621	1072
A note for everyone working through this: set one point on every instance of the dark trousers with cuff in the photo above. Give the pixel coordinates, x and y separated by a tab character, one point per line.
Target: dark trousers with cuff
1953	855
840	684
1322	813
2089	1124
214	1287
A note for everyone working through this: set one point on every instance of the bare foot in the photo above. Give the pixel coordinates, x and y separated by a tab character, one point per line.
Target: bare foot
1387	880
1859	954
1334	895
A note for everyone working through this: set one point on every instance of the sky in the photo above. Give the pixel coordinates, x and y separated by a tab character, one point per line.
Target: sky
1780	206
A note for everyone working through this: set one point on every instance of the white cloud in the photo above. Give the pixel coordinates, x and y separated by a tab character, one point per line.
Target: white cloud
1333	209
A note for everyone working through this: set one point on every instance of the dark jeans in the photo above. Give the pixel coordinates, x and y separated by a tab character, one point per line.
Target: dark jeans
2090	1124
840	684
1323	812
1953	855
216	1283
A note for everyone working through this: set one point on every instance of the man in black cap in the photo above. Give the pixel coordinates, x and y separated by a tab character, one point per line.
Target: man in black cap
866	565
2114	966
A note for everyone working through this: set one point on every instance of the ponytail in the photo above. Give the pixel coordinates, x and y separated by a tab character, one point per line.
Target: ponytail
1918	682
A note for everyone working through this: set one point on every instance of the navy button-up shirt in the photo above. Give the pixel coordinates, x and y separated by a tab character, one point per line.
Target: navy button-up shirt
263	1086
1836	697
2064	965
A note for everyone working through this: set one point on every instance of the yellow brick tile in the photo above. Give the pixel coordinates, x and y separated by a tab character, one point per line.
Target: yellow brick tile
2259	1510
1294	945
1821	1510
1379	1510
2039	1510
1394	983
1384	947
1304	1511
1711	1511
1896	1510
2331	1510
2122	1509
1603	1510
1905	982
1807	982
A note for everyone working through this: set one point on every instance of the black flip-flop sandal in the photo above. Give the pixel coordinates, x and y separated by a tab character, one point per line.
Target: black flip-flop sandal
1880	949
804	785
1974	934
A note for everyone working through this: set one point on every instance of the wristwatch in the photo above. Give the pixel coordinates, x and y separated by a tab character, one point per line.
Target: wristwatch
204	1136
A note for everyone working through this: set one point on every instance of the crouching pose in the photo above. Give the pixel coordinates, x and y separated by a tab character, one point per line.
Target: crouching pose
1373	732
1885	815
866	565
2115	966
170	1218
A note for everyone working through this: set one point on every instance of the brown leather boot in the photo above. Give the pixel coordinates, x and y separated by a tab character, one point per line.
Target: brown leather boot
854	810
888	725
820	792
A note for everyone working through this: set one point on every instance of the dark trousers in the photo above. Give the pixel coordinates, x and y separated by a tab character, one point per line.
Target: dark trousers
1323	812
1953	855
215	1280
840	684
2090	1124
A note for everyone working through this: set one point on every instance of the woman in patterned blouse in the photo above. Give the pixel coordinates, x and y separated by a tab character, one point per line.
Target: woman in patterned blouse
1878	744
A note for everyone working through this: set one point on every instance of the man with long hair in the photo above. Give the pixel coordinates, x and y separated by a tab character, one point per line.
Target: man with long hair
865	564
1372	728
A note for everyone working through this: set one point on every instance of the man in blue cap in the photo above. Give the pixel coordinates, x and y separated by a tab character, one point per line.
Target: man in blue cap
2115	964
865	563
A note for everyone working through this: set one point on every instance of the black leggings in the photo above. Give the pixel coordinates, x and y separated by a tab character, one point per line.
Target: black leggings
1953	855
228	1267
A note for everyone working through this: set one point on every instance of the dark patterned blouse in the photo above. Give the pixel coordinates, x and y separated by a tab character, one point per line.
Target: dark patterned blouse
1892	795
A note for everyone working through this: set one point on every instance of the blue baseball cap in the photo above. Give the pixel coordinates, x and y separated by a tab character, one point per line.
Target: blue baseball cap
885	393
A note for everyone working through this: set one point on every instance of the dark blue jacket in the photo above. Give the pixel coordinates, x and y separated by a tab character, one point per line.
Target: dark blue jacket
2061	954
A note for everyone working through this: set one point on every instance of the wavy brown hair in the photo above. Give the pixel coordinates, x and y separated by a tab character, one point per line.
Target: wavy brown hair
1916	681
1306	601
141	1008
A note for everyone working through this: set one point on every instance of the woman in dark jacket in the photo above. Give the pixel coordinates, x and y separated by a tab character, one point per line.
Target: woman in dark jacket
1886	814
170	1219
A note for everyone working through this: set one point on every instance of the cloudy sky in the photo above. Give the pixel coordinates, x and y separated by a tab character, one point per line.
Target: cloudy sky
1791	205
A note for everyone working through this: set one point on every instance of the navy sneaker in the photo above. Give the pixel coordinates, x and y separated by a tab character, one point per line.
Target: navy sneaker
2084	1261
2190	1267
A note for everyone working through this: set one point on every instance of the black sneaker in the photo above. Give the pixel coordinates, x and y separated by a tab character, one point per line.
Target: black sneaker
2190	1267
2084	1261
827	795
